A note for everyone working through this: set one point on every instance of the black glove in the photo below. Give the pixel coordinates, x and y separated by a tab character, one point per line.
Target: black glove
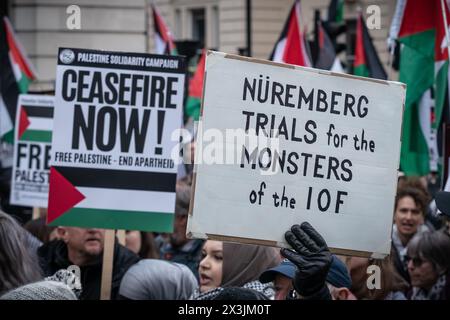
312	258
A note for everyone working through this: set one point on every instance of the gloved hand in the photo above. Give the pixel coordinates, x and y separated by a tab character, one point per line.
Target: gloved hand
313	259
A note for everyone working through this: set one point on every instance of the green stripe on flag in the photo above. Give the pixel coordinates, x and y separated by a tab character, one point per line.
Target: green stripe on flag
193	106
23	83
9	137
417	64
116	219
340	11
361	71
37	135
441	86
417	71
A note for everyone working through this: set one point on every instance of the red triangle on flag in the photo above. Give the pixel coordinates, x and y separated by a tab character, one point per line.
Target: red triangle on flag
62	195
360	57
292	52
162	31
24	122
17	51
292	46
196	82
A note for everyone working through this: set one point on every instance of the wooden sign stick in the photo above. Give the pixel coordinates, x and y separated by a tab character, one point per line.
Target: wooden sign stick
36	213
108	257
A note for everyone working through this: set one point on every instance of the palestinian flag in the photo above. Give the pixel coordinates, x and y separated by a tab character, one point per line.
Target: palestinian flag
35	122
193	103
291	46
326	58
15	76
336	11
76	194
423	65
367	63
164	43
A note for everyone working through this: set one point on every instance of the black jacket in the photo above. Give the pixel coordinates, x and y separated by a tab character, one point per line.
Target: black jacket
398	264
53	257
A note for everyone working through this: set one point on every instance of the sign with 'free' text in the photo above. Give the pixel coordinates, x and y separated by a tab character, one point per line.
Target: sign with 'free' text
32	146
307	145
112	149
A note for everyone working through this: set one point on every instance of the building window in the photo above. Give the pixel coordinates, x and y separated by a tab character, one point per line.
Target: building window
198	25
178	22
215	27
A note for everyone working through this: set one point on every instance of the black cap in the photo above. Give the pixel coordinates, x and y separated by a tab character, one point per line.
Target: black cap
443	202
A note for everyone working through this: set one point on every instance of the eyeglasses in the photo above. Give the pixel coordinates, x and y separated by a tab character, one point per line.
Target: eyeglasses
416	261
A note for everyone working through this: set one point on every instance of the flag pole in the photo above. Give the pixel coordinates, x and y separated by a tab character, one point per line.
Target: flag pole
107	266
393	33
391	61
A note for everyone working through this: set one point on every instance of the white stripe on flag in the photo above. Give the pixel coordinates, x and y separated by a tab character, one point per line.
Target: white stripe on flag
160	45
396	22
279	50
36	123
15	67
129	200
425	105
5	120
337	66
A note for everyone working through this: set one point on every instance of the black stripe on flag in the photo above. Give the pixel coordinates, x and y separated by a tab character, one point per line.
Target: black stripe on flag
376	69
119	179
9	90
39	112
284	32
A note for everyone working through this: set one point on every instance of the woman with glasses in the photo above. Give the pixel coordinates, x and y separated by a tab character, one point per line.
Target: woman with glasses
428	260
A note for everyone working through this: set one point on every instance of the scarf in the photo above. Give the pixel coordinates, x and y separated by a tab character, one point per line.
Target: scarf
264	288
433	294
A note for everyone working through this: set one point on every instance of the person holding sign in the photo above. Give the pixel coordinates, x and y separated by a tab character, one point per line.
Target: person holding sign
338	280
84	248
313	259
310	254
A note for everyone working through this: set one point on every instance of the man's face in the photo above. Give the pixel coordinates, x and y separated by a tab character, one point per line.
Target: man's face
283	285
178	237
408	216
87	242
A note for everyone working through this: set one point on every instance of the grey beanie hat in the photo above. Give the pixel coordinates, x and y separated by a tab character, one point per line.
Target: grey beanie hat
41	290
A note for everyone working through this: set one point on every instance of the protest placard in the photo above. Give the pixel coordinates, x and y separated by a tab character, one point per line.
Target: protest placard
296	144
33	136
112	164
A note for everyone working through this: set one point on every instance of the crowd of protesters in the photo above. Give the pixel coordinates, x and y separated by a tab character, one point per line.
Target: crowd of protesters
34	260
